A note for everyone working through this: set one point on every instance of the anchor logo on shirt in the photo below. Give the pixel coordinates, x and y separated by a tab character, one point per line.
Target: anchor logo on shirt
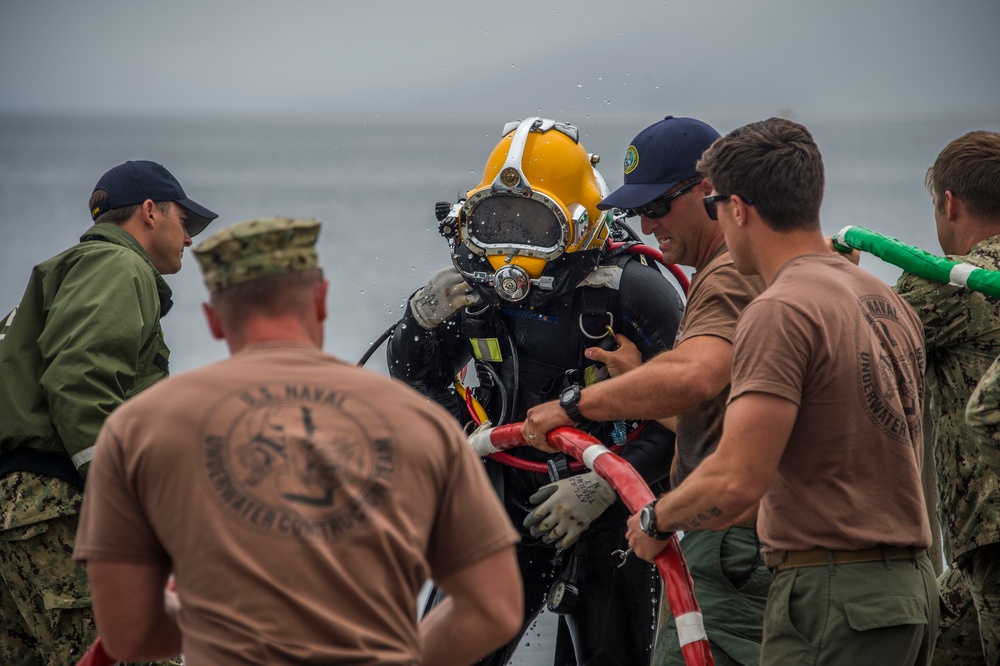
292	458
298	460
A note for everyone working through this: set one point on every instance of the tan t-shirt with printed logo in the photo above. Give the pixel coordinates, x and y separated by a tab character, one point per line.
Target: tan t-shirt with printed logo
849	352
302	503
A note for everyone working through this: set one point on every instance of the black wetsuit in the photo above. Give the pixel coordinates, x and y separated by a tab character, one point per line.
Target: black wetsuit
614	618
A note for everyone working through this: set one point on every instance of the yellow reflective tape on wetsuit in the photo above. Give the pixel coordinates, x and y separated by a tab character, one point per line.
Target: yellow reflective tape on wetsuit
487	349
595	373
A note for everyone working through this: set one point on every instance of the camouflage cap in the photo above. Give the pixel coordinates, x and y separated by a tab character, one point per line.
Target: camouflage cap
256	249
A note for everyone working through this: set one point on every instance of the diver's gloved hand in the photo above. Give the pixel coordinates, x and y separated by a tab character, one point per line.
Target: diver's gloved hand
567	507
445	293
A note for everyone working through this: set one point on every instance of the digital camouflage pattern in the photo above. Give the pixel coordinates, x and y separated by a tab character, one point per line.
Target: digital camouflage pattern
981	571
958	642
983	416
46	618
962	337
257	249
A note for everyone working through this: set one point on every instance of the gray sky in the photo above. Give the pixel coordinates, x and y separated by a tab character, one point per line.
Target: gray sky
459	57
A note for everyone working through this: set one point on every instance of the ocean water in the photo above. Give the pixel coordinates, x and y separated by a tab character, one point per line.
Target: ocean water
373	182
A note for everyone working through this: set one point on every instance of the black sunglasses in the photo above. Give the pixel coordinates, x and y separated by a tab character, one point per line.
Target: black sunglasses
657	208
711	201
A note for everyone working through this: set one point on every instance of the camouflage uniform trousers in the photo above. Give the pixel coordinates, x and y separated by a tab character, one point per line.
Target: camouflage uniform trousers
980	569
958	642
45	603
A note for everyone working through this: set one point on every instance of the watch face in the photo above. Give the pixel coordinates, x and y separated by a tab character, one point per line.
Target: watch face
558	590
568	399
647	520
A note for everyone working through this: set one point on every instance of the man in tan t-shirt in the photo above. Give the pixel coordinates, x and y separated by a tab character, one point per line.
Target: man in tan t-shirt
823	422
688	385
299	502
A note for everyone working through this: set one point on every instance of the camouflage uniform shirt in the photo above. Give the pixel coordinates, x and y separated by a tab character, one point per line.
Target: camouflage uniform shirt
962	335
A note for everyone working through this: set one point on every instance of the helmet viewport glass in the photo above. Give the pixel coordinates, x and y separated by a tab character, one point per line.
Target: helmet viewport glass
507	221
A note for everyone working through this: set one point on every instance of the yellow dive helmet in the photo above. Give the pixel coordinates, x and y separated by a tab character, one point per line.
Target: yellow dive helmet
536	202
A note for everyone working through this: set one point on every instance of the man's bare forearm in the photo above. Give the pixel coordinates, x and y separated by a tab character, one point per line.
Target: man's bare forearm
666	385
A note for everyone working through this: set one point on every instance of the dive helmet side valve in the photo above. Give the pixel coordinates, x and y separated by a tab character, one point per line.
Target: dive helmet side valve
447	214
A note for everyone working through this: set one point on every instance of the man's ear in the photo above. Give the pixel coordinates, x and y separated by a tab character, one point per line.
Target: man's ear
741	212
149	211
319	297
214	322
952	205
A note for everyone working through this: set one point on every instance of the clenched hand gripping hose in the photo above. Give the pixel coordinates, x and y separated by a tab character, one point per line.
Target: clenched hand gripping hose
635	494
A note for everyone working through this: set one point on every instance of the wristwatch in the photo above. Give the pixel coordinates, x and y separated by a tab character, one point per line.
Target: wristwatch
568	400
647	522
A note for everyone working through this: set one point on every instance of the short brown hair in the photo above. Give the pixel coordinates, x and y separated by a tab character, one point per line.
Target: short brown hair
969	168
288	293
118	215
773	164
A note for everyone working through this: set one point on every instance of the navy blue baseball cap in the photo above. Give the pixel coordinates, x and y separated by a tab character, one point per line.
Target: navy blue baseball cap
660	156
135	181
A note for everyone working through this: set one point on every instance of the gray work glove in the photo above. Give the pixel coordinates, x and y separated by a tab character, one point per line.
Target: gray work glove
567	507
445	293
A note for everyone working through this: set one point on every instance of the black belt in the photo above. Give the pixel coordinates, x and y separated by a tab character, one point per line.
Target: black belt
58	465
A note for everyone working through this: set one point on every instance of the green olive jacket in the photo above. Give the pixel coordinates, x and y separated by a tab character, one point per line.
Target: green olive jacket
85	337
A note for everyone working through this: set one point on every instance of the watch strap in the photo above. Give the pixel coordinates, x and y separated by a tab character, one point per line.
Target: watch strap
652	530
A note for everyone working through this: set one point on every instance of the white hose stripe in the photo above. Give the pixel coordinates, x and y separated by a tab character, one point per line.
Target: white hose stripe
841	236
591	454
960	275
481	444
83	457
690	628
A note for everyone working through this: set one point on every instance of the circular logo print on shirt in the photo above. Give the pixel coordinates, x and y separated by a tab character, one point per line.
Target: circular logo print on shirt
631	159
297	460
887	379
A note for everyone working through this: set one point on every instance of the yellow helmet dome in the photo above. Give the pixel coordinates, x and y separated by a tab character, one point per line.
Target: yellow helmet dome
537	199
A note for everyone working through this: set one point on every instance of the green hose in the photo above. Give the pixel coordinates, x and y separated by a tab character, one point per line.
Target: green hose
918	262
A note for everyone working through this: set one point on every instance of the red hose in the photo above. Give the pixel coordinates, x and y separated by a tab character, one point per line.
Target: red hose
534	465
652	252
635	494
96	656
543	468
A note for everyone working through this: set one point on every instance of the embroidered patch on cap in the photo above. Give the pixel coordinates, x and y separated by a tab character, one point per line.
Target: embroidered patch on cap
631	159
